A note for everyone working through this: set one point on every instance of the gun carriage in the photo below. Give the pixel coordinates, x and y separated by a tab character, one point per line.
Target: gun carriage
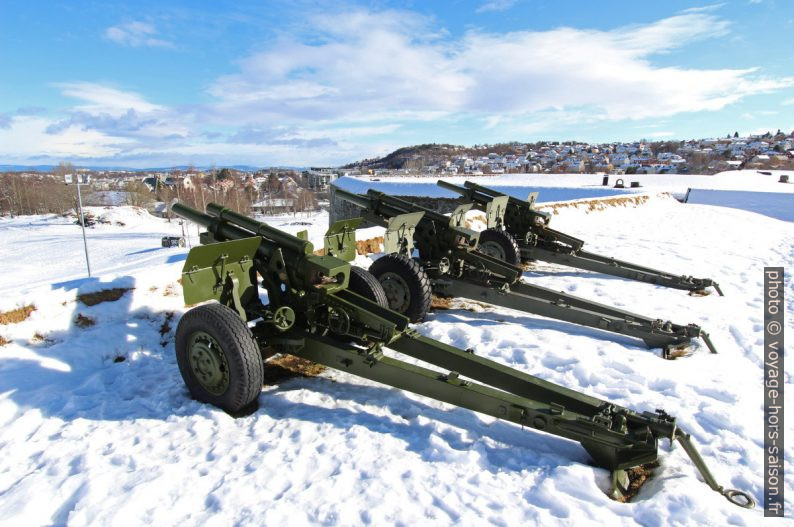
322	309
528	229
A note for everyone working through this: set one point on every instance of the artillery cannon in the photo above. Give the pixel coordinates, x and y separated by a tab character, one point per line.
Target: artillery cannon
530	232
317	311
450	264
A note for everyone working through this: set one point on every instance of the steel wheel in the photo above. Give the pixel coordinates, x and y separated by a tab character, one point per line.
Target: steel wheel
405	284
218	357
397	291
492	249
499	244
208	363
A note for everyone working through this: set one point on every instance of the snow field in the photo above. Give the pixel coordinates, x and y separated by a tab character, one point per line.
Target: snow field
94	441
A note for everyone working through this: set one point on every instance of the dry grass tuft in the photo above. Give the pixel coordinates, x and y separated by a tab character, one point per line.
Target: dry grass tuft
3	340
16	315
84	321
166	325
363	247
638	476
373	245
106	295
678	352
165	328
595	205
441	303
284	367
39	338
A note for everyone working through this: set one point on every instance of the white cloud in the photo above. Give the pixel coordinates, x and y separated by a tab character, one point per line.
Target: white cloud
370	63
758	113
107	122
496	5
788	102
136	34
102	98
27	138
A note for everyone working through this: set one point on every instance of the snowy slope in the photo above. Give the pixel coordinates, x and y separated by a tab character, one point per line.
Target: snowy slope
746	180
743	189
773	204
89	440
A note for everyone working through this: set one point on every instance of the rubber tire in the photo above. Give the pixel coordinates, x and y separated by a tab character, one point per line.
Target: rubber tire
363	283
505	241
246	370
415	278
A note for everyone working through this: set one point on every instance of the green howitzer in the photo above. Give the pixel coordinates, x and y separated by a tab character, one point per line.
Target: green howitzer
322	309
536	241
451	264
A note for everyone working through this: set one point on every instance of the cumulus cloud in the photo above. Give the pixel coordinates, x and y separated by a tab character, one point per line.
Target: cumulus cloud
136	34
122	122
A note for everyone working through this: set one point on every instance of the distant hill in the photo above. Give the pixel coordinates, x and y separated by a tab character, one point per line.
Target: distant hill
418	156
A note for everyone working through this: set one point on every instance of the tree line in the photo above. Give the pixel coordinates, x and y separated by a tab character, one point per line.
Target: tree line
23	194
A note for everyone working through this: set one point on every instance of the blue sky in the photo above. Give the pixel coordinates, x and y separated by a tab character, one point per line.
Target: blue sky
301	83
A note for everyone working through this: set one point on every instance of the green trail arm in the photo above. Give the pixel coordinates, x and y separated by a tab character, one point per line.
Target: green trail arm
615	437
538	241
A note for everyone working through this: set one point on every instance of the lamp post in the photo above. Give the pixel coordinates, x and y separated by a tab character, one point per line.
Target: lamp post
69	178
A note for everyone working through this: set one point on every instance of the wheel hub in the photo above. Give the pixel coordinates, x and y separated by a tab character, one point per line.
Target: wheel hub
208	363
492	249
397	292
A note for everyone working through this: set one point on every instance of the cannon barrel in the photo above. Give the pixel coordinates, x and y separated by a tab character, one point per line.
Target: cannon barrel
479	195
485	190
402	206
259	228
452	188
222	229
490	193
375	210
377	202
192	214
356	199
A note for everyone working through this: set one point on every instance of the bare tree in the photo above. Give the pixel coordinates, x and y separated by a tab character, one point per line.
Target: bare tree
138	194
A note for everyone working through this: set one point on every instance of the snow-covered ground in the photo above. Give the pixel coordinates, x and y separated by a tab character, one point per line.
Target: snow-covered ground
774	204
89	440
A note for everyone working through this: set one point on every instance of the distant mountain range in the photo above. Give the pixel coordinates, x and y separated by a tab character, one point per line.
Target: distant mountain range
50	168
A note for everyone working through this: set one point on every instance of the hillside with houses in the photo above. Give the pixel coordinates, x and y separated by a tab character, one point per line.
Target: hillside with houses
701	156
